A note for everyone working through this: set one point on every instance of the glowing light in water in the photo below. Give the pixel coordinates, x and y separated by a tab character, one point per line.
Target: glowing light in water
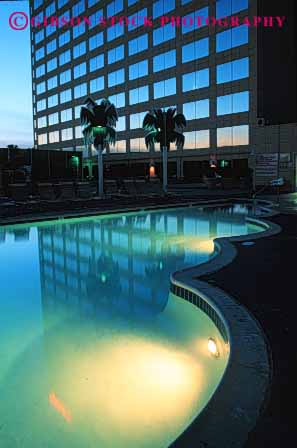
59	406
212	347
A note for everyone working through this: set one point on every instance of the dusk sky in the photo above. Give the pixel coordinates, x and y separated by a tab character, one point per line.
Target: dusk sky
15	79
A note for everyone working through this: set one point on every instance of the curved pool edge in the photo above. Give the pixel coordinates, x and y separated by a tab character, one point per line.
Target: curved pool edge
239	399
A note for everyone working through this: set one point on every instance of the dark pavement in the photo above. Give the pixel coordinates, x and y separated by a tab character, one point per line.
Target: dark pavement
263	277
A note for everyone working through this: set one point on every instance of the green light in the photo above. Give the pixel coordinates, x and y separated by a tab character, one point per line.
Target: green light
103	278
75	160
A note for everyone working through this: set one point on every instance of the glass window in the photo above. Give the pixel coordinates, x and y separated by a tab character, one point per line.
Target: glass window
39	54
42	139
121	124
95	19
79	50
232	104
80	90
52	101
163	34
233	136
78	30
51	46
92	2
41	105
138	145
40	70
79	70
66	115
65	96
232	71
161	7
232	38
52	82
116	77
195	80
225	8
165	88
136	120
41	122
138	70
53	118
40	88
65	76
120	146
138	44
137	19
195	50
78	132
96	41
77	112
51	64
64	57
50	10
97	62
115	7
132	2
62	3
191	21
116	54
113	32
39	36
67	134
196	109
54	137
139	95
64	38
164	61
197	139
97	84
118	100
78	8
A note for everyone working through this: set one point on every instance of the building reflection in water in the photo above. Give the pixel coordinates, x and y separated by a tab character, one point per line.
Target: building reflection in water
122	264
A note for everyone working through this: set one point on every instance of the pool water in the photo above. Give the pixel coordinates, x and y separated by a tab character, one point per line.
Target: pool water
94	351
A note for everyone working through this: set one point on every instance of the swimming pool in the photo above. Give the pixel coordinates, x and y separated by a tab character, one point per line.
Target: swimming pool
94	350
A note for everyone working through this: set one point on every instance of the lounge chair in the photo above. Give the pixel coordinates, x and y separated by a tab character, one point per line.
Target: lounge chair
84	190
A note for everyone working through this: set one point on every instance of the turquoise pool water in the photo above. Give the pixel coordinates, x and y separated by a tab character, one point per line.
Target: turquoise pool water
94	351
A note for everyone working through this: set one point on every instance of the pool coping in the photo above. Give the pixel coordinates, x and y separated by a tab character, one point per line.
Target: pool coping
241	396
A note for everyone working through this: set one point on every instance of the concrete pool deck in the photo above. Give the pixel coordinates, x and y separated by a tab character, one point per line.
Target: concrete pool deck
262	278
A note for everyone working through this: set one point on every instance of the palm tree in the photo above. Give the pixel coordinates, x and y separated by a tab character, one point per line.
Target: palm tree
99	121
164	127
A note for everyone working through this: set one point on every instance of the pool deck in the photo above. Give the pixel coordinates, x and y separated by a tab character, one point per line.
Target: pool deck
263	278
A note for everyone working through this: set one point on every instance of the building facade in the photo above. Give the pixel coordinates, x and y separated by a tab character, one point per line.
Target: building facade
210	72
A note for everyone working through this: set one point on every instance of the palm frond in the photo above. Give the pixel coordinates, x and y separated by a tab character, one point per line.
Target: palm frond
180	121
151	138
149	121
111	114
86	116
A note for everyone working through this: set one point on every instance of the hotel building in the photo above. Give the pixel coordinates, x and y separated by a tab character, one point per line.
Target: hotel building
236	86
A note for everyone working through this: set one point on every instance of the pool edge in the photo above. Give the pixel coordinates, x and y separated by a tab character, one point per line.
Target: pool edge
239	399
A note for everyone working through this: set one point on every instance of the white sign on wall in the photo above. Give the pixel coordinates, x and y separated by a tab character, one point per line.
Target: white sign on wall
266	167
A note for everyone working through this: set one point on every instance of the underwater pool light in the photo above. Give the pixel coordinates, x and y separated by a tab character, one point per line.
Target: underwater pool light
213	348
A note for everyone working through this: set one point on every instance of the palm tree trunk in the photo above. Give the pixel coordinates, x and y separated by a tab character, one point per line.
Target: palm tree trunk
100	170
165	158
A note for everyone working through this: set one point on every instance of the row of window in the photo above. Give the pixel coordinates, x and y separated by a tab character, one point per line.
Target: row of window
224	40
226	136
227	72
190	52
227	104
